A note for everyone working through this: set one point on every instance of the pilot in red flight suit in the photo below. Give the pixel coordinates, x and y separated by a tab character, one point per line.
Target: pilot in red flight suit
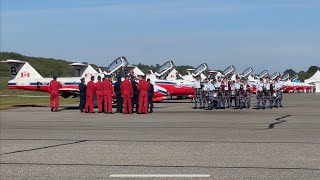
127	93
91	89
107	95
99	88
54	93
143	88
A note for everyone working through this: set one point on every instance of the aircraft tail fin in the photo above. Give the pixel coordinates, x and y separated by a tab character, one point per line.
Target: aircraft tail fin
21	70
83	70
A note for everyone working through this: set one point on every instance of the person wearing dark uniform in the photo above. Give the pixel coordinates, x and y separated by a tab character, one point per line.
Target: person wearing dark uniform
127	93
117	90
134	98
82	90
143	88
107	95
99	94
150	96
54	87
90	91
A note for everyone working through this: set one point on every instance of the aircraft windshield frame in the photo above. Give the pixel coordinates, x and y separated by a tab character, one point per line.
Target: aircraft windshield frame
274	75
117	64
202	67
229	70
245	73
165	68
295	77
263	74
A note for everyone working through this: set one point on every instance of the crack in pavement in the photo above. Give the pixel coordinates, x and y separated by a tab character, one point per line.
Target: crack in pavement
44	147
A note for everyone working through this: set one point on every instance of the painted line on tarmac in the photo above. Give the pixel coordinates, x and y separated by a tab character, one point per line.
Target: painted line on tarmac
160	175
166	141
162	166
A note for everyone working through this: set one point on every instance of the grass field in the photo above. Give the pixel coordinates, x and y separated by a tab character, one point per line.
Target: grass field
11	98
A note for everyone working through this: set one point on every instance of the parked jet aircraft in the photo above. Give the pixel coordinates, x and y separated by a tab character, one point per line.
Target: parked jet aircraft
24	76
177	87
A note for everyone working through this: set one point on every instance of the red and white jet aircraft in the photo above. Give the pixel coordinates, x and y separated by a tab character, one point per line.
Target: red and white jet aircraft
24	76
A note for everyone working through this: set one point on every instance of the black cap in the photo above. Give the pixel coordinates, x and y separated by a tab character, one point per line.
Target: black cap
55	76
81	79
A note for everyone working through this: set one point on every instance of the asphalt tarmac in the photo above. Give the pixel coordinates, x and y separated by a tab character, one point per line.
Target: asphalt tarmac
175	140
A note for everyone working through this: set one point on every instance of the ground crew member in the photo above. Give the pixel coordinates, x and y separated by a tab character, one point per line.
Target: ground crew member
82	89
90	91
107	95
54	93
150	96
134	99
127	93
99	94
143	88
119	99
197	89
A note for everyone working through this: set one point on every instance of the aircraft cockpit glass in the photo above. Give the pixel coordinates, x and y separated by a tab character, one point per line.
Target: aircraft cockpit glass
200	69
117	64
263	74
274	75
285	77
247	72
229	70
295	77
165	69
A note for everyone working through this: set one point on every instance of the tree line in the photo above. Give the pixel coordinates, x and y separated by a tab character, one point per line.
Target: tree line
49	66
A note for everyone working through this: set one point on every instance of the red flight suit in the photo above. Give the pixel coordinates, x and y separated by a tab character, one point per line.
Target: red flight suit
91	89
54	94
107	95
99	94
143	88
127	93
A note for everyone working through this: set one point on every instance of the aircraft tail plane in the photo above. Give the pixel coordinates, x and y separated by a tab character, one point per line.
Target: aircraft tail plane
83	70
21	70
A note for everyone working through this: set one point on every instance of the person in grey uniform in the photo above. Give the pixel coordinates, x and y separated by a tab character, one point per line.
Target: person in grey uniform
210	95
197	89
238	93
247	93
278	85
204	93
217	87
259	92
269	91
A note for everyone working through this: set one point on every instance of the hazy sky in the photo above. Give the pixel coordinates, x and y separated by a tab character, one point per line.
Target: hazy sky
272	34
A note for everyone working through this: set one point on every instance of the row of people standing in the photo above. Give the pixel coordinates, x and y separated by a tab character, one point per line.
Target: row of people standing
221	92
128	95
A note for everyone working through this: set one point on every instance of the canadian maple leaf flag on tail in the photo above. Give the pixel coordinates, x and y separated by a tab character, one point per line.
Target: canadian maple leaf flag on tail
25	74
